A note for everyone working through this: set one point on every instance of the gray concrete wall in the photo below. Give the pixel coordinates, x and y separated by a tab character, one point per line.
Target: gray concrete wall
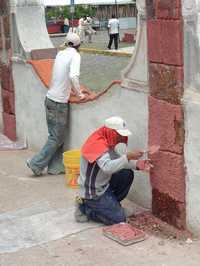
192	159
29	106
29	27
191	103
128	23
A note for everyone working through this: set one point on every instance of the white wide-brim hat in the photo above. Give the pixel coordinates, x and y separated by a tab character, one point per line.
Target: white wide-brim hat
117	123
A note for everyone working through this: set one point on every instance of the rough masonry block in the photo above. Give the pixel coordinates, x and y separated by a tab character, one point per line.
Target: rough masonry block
172	42
8	43
150	7
1	44
6	24
169	210
154	41
8	101
165	41
4	7
168	9
168	174
6	77
39	54
166	126
9	123
166	82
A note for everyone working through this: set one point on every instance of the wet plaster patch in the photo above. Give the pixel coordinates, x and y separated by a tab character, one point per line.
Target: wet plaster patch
37	225
168	209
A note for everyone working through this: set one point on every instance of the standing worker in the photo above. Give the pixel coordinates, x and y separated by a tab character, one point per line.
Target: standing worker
105	176
88	29
65	78
90	21
81	29
113	31
66	25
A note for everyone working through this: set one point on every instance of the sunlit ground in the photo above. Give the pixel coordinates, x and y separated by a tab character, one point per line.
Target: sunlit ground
98	71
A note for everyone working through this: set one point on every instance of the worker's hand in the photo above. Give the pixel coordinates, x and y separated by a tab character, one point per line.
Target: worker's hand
81	96
73	93
144	165
135	155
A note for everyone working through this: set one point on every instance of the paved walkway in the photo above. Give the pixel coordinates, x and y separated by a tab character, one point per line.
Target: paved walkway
83	247
98	70
99	40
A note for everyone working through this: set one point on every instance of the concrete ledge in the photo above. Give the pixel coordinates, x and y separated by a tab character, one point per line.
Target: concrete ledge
54	35
105	52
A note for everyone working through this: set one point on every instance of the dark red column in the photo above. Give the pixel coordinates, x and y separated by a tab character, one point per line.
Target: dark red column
9	121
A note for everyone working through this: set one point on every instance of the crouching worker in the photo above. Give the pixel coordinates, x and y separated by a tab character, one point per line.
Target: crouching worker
105	176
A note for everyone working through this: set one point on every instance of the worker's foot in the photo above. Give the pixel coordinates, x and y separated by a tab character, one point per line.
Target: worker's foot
52	172
128	212
79	216
36	172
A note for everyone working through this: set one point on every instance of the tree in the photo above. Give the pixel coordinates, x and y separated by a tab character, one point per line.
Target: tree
80	11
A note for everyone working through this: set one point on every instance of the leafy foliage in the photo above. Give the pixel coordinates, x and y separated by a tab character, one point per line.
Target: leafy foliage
80	11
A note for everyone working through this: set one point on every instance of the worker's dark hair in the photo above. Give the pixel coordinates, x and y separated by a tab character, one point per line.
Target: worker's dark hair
113	16
70	44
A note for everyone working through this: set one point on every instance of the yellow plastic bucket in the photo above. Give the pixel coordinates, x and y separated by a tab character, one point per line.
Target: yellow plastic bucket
71	161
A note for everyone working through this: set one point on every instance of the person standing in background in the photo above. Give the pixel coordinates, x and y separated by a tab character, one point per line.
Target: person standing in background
88	28
81	29
113	30
66	25
89	20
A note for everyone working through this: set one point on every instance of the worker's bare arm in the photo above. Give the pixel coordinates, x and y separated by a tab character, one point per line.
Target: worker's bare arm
76	87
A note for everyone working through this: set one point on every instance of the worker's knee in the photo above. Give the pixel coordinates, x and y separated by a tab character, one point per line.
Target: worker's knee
105	216
113	217
128	175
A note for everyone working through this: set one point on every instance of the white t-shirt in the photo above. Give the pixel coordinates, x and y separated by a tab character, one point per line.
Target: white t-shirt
66	21
113	25
66	67
81	23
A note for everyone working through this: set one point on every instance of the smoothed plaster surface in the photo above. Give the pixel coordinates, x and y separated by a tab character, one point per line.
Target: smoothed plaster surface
29	106
192	159
32	33
191	102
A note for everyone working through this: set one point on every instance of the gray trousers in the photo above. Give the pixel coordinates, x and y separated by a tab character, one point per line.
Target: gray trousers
51	154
